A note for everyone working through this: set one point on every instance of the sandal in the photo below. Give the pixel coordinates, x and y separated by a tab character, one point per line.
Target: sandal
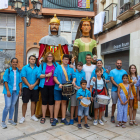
123	125
51	120
42	121
135	123
118	125
131	122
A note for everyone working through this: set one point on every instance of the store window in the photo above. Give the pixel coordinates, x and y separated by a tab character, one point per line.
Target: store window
69	28
7	28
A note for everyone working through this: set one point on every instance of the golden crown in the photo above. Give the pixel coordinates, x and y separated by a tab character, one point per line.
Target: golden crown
86	19
55	20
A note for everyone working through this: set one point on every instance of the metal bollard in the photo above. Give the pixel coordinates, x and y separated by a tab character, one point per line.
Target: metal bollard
16	111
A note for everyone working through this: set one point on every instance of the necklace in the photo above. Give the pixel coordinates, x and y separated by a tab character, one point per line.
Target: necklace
85	36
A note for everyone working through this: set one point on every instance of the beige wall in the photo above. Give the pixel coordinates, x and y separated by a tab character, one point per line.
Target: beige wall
121	31
131	28
135	49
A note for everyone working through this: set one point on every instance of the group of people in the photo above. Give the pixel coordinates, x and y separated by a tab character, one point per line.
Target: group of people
88	80
43	85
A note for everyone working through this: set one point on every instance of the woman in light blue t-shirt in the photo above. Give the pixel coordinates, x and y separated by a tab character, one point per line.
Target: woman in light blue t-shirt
11	90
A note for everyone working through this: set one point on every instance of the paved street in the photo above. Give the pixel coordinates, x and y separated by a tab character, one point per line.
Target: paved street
35	131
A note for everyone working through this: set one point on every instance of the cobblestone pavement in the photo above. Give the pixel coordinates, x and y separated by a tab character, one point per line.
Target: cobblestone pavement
35	131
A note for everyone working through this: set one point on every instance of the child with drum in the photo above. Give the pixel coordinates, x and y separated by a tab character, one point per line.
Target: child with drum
83	95
99	89
80	75
124	92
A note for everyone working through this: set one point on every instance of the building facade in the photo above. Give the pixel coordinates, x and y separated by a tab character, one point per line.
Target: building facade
120	38
12	28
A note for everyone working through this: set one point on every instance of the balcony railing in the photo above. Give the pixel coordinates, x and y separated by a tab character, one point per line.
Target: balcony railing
22	1
137	5
66	4
127	4
110	15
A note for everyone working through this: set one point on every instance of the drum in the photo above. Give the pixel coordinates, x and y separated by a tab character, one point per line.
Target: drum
85	102
102	99
68	89
76	89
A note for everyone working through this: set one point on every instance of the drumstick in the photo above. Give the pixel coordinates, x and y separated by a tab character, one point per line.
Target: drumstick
49	77
74	57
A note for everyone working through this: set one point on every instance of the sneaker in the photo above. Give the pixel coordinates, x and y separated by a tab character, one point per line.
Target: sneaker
95	122
103	119
112	119
89	118
22	120
71	122
65	122
12	122
3	125
54	122
100	122
76	119
82	116
79	126
34	118
86	126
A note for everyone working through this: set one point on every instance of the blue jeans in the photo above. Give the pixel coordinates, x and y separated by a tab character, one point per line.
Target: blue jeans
83	111
9	105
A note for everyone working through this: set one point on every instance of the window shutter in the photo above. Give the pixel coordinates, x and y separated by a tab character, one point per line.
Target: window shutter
2	20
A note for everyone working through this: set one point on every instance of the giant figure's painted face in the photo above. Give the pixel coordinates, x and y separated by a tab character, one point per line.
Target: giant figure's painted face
54	27
86	27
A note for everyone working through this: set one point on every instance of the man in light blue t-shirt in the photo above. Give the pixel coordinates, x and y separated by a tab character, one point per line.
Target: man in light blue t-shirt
116	78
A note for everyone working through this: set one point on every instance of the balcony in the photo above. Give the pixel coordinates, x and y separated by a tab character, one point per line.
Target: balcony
66	4
22	1
137	5
110	16
126	10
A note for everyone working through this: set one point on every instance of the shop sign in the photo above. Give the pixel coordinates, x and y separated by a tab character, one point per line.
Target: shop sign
116	45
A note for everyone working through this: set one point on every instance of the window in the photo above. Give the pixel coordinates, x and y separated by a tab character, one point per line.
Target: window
69	28
7	27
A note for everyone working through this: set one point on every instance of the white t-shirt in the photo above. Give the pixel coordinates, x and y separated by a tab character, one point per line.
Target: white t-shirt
14	87
88	71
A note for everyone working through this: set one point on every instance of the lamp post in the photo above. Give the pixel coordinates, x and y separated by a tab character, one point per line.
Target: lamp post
26	14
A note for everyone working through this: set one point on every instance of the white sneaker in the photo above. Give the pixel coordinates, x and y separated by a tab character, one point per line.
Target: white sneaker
22	120
103	119
34	118
100	122
95	122
89	118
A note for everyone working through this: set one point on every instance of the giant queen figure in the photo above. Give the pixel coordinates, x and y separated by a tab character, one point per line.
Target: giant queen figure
84	44
57	45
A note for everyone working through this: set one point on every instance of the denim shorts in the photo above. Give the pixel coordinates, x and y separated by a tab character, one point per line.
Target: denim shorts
83	111
58	95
